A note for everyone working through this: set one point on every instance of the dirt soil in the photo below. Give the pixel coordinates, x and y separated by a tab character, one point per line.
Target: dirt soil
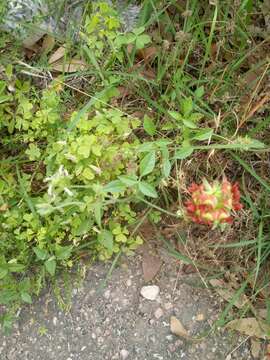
115	322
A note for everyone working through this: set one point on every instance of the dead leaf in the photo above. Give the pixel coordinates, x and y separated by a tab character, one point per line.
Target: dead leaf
255	108
139	115
71	66
57	55
226	292
33	38
147	54
29	53
262	313
250	79
177	328
249	326
130	48
268	351
123	91
214	50
47	45
151	265
148	74
255	348
189	269
4	207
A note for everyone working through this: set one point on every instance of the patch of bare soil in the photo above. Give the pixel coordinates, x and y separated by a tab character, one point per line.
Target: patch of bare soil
116	322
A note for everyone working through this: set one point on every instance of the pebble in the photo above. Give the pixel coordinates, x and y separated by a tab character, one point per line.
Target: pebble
150	292
153	339
168	306
129	282
125	302
158	313
171	348
100	340
107	294
203	346
200	317
178	343
124	354
75	291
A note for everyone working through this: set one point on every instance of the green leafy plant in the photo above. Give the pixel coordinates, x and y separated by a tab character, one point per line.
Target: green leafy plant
64	193
137	37
187	121
101	27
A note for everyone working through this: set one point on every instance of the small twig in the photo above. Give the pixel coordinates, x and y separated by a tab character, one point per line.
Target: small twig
249	114
34	75
29	66
158	208
177	277
258	106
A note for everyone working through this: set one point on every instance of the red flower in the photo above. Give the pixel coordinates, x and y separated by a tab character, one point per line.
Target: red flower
213	204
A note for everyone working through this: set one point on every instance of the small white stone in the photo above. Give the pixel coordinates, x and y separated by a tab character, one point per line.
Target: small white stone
157	356
54	321
107	294
100	340
75	291
150	292
168	306
129	282
158	313
124	354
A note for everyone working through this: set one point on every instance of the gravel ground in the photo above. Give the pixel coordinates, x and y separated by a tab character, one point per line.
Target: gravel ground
116	322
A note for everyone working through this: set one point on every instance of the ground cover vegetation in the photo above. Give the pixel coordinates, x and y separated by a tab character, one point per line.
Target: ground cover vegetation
105	132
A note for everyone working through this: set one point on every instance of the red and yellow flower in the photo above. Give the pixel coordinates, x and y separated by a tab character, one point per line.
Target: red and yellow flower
213	204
